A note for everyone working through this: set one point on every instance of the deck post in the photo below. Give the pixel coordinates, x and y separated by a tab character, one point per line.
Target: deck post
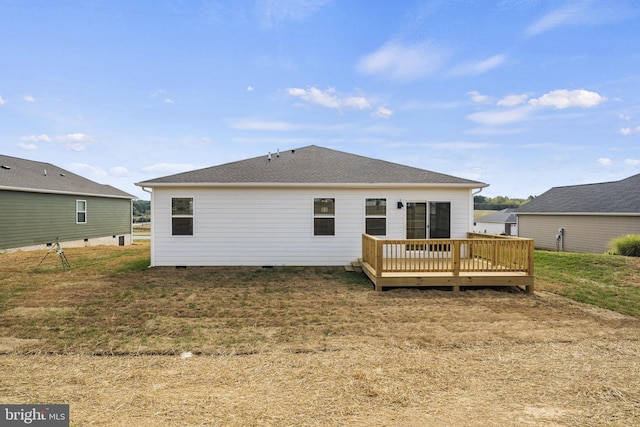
530	272
455	263
455	257
379	257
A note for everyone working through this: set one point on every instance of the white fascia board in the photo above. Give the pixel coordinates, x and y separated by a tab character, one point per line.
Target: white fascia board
306	185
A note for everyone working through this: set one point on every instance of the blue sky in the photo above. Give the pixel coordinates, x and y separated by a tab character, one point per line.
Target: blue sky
521	94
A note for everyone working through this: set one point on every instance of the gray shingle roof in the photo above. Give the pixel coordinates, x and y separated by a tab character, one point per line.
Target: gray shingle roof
505	216
607	197
311	165
27	175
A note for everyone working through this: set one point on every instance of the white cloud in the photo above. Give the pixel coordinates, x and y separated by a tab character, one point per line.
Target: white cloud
383	113
629	131
579	12
250	89
500	117
2	101
273	12
256	124
29	98
403	62
563	98
75	137
329	99
513	100
119	171
35	138
478	98
632	162
605	161
462	145
554	19
75	141
167	168
169	101
479	67
28	147
88	170
76	146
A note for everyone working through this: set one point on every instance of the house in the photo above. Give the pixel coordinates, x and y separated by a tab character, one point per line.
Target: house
582	218
502	222
41	203
307	206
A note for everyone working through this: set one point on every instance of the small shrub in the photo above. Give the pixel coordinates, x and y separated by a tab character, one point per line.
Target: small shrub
628	245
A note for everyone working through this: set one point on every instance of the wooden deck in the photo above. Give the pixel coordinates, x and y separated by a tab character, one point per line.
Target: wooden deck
479	260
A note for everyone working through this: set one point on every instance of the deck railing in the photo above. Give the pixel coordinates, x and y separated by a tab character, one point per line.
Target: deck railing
477	253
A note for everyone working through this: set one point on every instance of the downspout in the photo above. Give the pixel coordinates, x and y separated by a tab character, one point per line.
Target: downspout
473	208
152	252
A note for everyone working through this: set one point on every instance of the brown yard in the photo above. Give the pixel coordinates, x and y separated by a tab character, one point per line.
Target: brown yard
314	346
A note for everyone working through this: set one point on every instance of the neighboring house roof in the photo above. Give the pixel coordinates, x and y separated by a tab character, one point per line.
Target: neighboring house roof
311	165
27	175
505	216
607	197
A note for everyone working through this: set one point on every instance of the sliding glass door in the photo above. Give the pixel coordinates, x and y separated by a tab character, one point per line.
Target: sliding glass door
434	223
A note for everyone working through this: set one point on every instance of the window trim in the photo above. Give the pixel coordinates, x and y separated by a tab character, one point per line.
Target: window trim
81	211
386	212
192	216
315	216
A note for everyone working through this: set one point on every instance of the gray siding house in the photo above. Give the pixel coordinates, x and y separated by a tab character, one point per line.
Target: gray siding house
503	222
306	206
41	203
582	218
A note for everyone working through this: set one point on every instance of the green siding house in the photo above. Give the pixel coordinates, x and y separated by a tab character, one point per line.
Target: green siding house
41	203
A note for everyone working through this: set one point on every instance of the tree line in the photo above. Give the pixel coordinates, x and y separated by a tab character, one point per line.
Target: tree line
141	211
498	203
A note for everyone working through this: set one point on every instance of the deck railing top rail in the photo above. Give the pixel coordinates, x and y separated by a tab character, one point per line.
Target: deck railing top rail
477	253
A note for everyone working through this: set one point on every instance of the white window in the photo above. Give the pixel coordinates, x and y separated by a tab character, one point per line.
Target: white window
324	216
375	213
81	211
182	216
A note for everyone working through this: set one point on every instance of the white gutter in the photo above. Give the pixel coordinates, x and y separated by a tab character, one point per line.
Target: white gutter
307	185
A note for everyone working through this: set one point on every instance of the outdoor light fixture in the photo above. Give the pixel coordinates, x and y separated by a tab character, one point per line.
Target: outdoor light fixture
400	205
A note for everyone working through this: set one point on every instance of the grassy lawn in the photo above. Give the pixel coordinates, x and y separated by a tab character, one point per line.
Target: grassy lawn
314	346
607	281
110	302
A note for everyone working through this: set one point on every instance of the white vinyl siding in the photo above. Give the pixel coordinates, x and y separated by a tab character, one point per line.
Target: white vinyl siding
274	226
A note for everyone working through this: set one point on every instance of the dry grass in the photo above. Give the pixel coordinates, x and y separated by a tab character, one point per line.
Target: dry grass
311	346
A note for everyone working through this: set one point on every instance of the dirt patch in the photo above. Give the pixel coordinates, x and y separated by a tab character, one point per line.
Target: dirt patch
307	347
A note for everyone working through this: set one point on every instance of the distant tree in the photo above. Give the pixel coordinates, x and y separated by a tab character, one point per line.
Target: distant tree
141	207
498	203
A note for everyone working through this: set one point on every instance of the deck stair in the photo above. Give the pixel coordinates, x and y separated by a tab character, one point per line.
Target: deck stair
355	266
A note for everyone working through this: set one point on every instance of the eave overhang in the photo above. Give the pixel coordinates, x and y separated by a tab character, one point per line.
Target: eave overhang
307	185
68	193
